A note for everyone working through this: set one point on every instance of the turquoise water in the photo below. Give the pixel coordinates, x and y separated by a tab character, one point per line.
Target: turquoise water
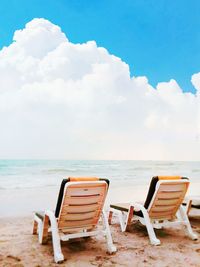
16	174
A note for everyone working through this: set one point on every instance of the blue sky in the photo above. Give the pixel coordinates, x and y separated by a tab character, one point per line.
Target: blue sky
158	39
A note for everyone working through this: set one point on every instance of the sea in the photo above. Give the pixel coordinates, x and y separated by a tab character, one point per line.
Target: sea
18	174
30	185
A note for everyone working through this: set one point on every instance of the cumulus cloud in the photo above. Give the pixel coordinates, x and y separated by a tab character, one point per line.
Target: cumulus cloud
77	101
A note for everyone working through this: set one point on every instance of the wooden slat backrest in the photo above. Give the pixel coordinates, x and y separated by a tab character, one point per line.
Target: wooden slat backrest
167	199
82	204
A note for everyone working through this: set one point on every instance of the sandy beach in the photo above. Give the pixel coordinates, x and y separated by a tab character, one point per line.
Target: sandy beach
18	247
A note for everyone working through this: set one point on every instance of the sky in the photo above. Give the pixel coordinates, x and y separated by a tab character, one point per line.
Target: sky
100	80
158	39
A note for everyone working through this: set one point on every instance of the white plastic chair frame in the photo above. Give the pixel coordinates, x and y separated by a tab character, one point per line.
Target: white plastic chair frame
176	214
64	229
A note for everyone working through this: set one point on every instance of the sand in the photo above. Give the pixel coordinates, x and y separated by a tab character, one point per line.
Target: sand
18	247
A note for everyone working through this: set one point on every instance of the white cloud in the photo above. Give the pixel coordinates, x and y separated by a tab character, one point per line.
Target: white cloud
65	100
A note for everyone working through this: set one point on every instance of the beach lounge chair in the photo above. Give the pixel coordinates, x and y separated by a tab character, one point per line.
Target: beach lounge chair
161	208
78	211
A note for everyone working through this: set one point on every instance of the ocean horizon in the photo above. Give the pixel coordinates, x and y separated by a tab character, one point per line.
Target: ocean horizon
16	174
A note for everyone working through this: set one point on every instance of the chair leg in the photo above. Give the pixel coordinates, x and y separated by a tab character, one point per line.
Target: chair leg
110	217
44	237
189	206
111	247
129	218
186	221
35	225
40	230
122	218
153	239
38	227
58	256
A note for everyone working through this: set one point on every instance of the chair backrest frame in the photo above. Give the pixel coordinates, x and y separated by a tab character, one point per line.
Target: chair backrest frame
167	198
153	183
67	180
81	205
